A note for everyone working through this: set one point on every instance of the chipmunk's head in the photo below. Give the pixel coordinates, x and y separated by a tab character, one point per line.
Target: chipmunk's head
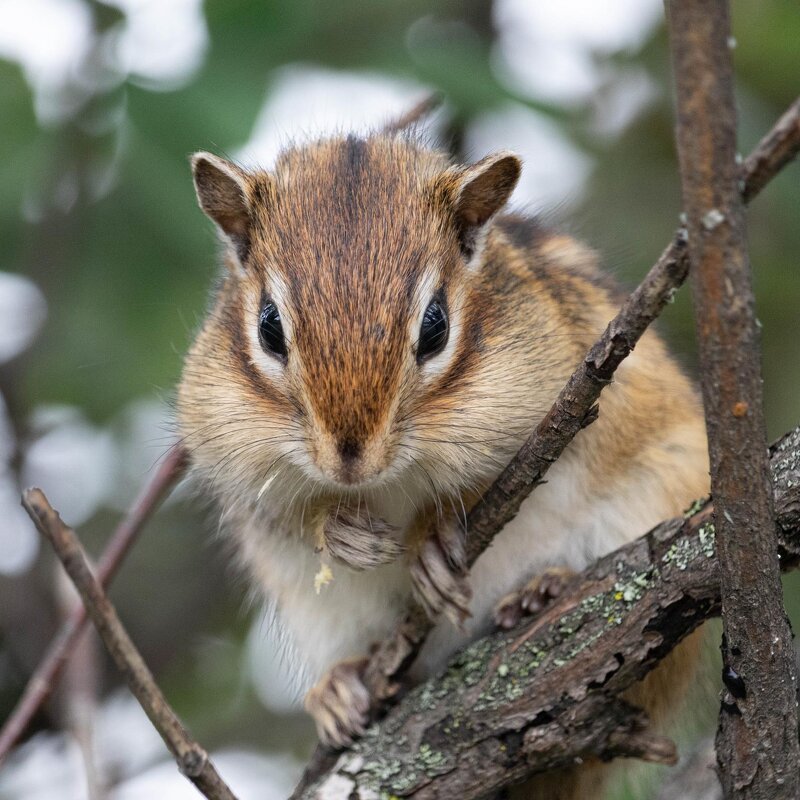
348	322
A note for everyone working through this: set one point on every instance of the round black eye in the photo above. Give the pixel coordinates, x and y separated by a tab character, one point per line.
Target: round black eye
433	331
270	330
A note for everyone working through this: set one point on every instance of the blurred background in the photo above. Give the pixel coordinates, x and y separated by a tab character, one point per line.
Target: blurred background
106	264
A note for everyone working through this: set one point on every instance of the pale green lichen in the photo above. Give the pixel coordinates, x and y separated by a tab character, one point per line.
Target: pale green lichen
685	550
512	677
695	507
430	758
707	536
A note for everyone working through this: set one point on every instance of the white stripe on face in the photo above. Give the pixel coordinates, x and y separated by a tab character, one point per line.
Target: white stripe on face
426	289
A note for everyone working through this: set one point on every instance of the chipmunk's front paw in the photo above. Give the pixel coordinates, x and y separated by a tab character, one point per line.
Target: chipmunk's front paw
358	540
439	574
533	598
339	703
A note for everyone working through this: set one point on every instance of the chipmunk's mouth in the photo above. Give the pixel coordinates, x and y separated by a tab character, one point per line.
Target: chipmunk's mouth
352	480
350	464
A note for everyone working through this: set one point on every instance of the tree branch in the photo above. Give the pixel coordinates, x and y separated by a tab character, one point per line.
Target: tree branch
575	407
758	754
773	153
46	675
546	694
193	761
422	109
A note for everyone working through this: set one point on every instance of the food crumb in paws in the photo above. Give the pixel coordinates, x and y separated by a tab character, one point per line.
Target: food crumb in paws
322	578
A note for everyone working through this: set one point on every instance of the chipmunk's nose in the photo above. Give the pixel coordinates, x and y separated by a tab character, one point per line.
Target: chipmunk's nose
350	453
349	449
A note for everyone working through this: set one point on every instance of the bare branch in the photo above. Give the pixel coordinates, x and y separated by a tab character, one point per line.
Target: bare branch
780	146
758	754
547	694
422	109
192	760
47	673
575	407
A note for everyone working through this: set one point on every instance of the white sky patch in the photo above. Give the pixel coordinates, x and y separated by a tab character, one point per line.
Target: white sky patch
72	461
545	49
250	776
143	432
22	311
553	170
49	39
622	101
50	767
47	767
161	43
19	541
125	740
306	101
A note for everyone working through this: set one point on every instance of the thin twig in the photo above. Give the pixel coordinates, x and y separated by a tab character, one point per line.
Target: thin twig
777	149
575	406
192	759
758	755
422	109
46	674
547	693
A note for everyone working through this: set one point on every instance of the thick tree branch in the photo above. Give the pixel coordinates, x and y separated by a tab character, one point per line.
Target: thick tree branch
193	761
547	693
758	755
575	407
46	675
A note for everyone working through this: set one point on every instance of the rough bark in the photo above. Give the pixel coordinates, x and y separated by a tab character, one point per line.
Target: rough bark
757	745
547	693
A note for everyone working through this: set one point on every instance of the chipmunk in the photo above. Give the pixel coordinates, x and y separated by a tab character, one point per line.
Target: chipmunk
384	339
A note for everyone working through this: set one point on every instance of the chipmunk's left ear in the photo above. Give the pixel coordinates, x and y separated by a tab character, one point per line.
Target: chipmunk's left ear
478	192
222	193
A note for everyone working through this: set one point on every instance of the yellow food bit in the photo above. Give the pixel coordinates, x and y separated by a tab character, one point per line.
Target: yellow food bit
322	578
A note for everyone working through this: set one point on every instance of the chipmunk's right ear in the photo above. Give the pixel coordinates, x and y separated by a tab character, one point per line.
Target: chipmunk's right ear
222	193
476	193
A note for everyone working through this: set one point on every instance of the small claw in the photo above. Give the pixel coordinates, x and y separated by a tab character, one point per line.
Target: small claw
533	598
339	704
451	541
439	576
360	542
